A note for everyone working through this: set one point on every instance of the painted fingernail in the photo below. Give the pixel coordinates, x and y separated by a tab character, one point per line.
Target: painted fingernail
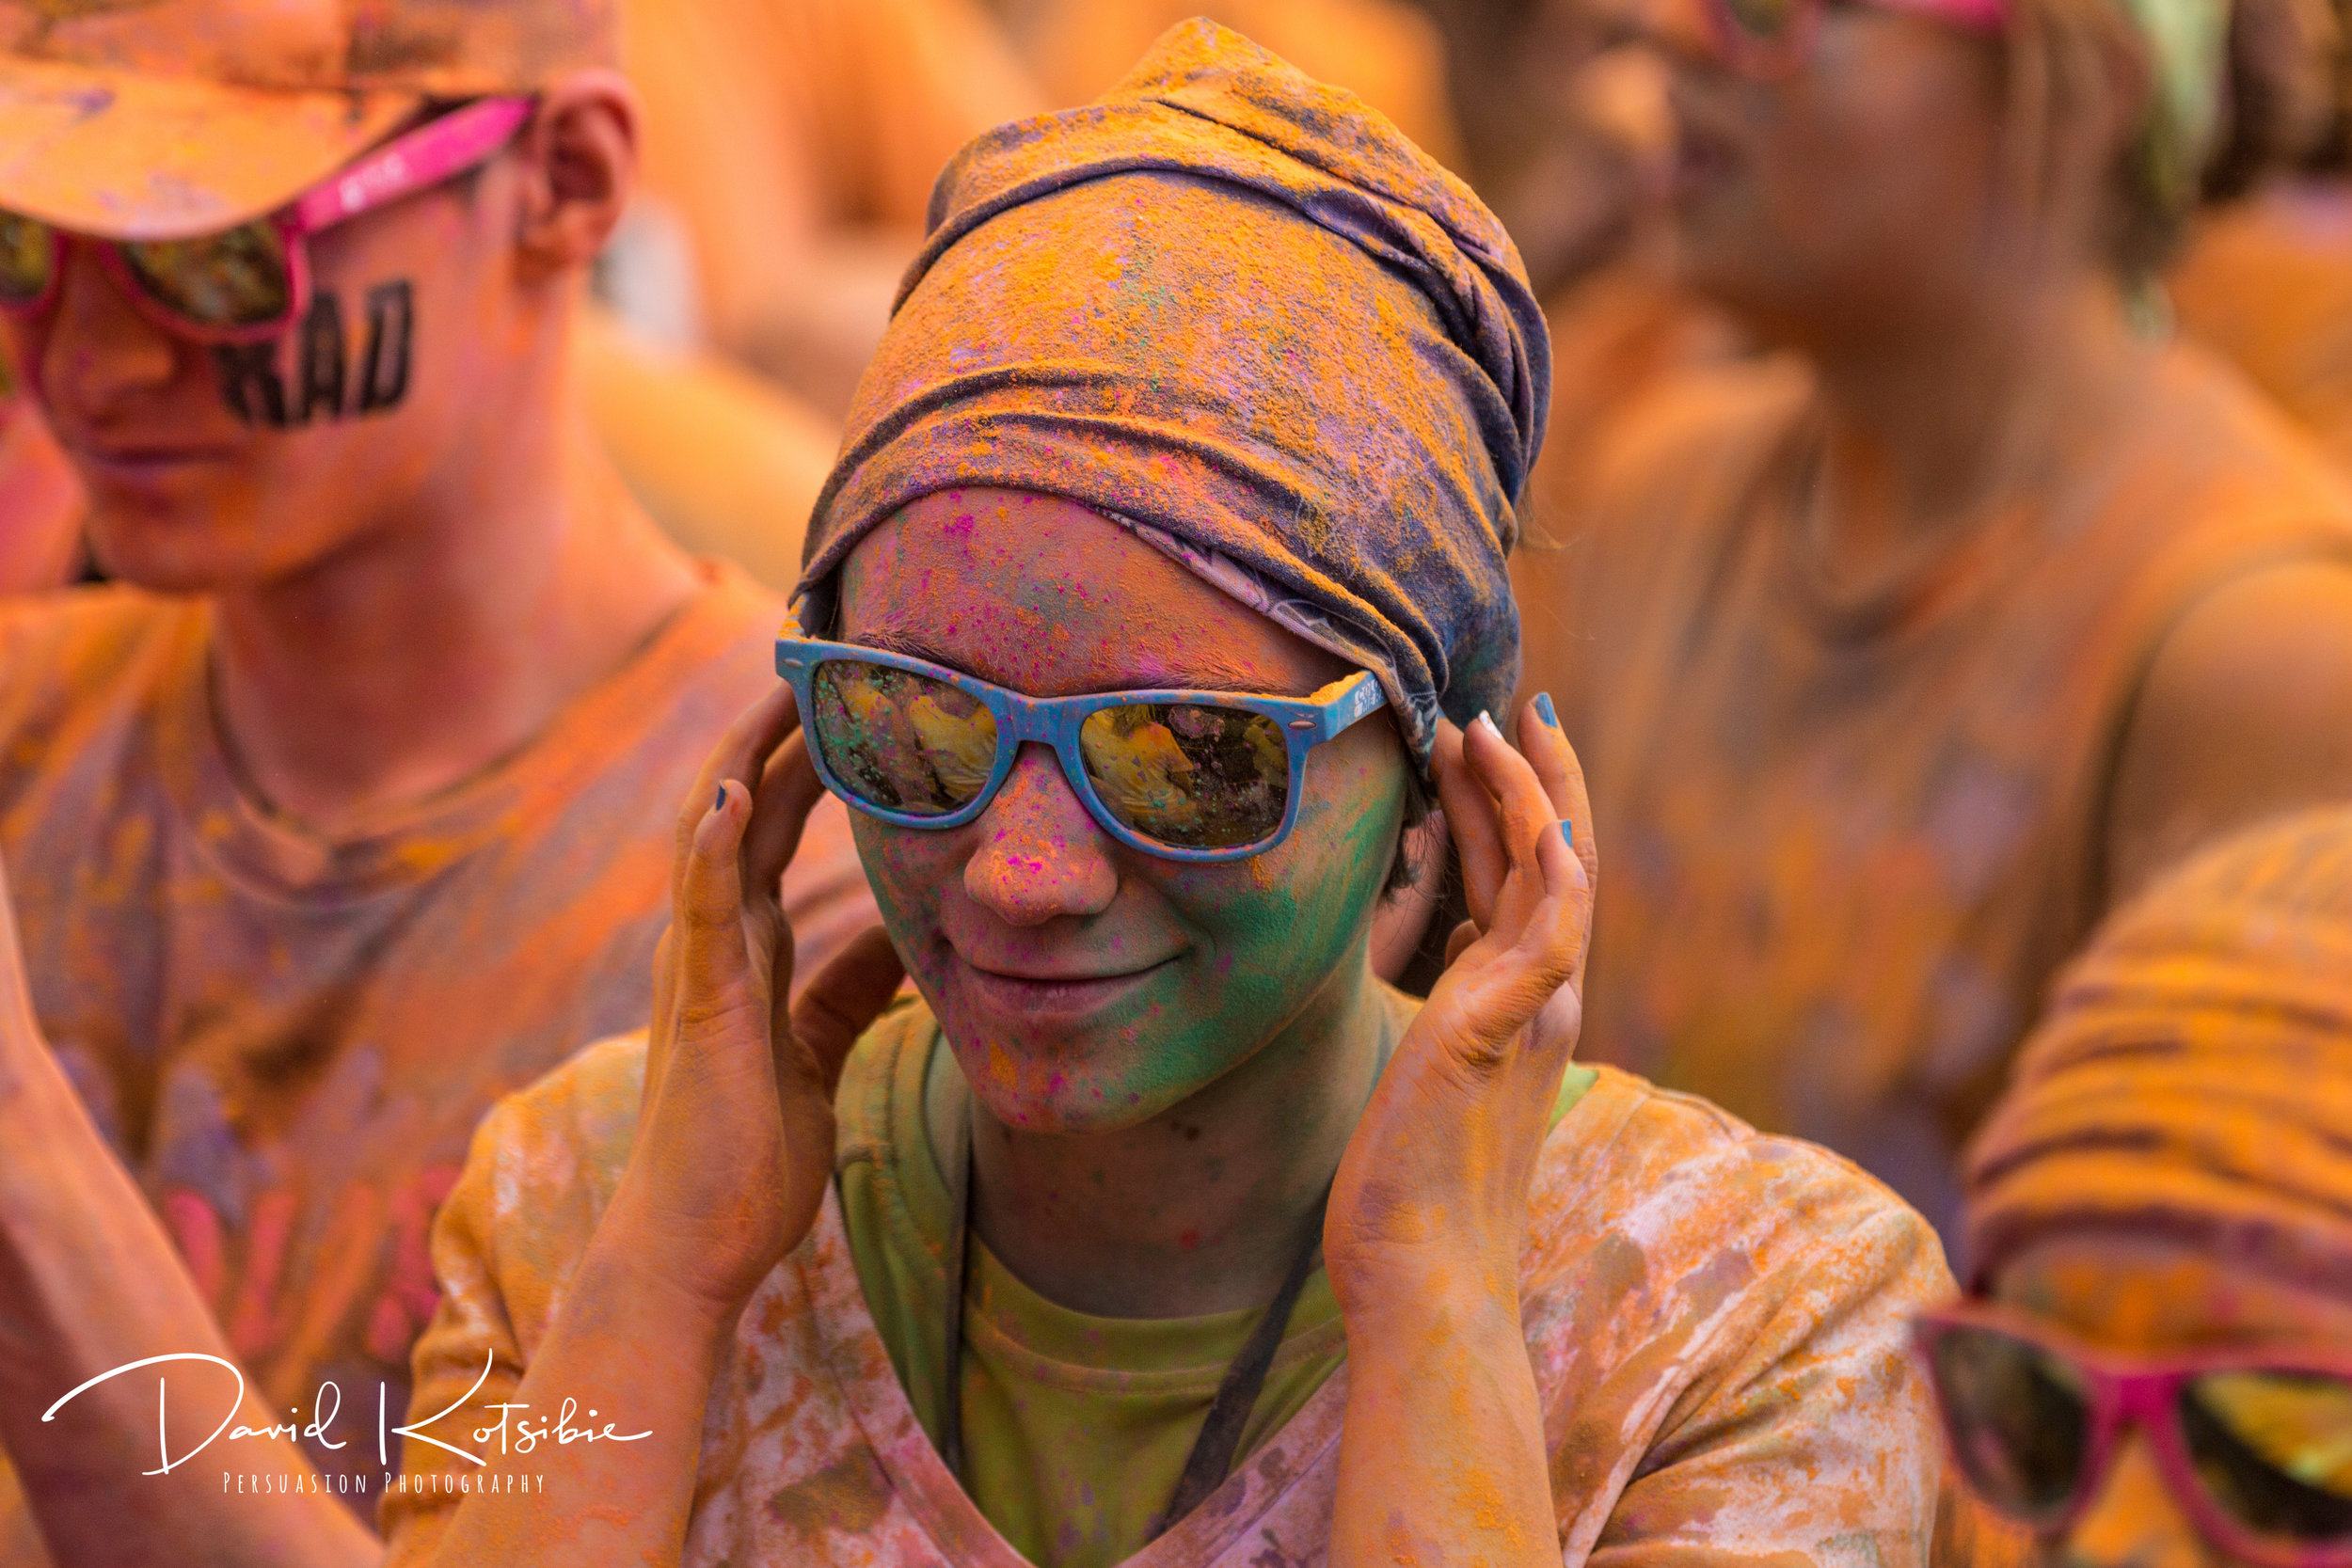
1567	829
1489	719
722	798
1545	711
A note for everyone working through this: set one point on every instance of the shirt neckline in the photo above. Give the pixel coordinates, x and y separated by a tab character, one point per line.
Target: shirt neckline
860	1363
273	857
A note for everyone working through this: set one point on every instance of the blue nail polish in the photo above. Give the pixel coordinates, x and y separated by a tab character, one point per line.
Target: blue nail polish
1545	711
1567	832
722	798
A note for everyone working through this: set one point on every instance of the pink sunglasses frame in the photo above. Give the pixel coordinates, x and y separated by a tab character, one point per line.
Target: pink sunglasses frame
1756	57
2129	1392
436	150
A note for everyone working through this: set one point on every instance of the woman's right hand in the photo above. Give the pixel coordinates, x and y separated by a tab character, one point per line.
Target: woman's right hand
735	1134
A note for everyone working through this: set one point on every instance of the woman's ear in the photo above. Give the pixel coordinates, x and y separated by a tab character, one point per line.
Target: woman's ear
577	168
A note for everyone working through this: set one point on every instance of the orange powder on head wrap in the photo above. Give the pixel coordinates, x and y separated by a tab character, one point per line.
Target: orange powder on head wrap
1238	308
2194	1075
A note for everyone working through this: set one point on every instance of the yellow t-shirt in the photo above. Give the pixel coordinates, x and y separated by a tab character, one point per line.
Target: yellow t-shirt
1076	1428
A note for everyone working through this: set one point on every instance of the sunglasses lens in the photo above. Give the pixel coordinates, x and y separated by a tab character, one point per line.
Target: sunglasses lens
28	252
1189	776
1765	21
2019	1418
238	278
900	741
2275	1448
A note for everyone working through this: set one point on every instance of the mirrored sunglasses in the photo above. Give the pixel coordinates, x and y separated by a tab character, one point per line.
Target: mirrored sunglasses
253	281
2256	1447
1772	37
1183	774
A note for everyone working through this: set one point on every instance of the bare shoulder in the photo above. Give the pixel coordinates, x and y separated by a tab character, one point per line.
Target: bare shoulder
2246	711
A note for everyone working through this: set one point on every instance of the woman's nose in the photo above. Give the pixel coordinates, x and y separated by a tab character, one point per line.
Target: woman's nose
1040	855
100	348
2135	1521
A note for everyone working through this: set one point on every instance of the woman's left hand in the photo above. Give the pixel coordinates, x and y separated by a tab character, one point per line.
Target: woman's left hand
1431	1197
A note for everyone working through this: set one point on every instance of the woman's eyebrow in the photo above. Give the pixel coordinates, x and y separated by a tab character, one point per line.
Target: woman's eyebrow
899	642
1212	673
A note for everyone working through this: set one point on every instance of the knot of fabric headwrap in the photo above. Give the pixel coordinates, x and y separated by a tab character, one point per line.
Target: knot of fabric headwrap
2193	1078
1238	311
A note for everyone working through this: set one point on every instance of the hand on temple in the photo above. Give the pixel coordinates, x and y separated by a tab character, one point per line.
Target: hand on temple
736	1136
1428	1213
733	1151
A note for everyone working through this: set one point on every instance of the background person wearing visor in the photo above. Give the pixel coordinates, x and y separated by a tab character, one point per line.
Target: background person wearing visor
349	812
2156	1369
1899	657
1164	557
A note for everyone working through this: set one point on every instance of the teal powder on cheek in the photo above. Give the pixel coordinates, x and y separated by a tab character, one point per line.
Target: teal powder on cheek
1270	941
909	921
1271	948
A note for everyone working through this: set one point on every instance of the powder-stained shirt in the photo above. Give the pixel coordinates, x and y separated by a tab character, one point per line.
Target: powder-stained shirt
1850	830
1075	1427
289	1040
1716	1322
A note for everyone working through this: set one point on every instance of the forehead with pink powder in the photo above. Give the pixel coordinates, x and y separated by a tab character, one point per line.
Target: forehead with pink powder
1045	596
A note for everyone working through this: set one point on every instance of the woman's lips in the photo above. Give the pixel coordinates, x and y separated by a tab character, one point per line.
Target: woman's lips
1051	996
147	465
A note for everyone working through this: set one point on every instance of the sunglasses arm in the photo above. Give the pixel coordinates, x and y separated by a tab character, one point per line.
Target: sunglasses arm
426	156
1341	705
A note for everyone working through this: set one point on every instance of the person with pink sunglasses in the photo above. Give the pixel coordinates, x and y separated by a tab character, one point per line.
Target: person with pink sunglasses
2153	1366
346	810
1900	655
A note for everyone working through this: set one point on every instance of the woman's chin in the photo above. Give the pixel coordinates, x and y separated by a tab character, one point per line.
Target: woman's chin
1076	1107
1072	1071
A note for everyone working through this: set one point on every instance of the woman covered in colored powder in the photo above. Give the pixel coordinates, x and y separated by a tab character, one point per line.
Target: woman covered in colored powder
1165	556
2156	1367
1899	659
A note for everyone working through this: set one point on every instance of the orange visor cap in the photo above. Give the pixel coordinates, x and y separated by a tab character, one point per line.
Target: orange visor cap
159	119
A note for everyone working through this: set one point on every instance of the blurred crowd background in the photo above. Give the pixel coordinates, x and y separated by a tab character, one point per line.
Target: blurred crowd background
790	146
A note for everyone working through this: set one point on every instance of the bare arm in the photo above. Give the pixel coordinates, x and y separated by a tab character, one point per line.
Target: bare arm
2247	712
88	1282
1428	1213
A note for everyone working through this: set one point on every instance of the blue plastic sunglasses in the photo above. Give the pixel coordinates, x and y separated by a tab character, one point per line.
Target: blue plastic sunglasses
1188	775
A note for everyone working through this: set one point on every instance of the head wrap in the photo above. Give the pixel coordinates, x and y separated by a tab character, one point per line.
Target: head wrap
2193	1078
1238	312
